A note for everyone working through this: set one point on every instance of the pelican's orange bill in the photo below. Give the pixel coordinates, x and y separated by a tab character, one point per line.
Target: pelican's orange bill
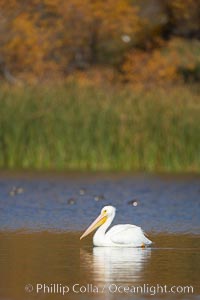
101	219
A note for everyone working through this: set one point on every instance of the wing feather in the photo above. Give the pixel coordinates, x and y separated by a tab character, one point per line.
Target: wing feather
128	235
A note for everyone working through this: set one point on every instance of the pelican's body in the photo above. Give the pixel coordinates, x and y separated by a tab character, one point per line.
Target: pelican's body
124	235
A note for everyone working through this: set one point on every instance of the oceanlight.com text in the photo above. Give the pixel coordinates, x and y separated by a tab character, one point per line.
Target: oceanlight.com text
112	288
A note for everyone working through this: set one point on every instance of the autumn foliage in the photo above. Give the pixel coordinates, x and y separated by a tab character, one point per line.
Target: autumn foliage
94	41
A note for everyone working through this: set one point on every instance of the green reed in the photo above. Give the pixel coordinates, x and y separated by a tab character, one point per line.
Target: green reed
71	127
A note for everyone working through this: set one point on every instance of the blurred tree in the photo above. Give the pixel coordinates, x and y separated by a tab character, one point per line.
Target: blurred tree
41	39
144	69
188	53
65	35
98	30
22	44
183	17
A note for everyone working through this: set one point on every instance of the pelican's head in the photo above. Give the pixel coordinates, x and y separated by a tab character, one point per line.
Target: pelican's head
106	212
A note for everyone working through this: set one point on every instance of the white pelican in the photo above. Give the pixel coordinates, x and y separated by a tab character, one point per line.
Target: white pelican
124	235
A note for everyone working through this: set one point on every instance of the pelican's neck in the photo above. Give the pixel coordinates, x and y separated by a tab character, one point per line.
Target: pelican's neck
102	229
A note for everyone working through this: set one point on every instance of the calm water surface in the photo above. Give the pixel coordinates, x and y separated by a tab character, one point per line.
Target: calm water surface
42	217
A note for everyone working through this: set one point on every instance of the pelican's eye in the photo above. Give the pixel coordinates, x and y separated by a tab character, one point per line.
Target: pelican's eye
104	211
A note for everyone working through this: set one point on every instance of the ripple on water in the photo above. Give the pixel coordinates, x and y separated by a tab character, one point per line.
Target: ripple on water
164	203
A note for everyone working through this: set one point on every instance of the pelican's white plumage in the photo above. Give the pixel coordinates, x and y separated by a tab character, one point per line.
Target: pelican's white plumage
125	235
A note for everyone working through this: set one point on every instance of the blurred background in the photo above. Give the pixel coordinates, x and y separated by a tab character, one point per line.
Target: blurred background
100	85
102	97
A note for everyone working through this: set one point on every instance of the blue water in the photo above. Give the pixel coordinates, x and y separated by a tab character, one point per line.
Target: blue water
70	202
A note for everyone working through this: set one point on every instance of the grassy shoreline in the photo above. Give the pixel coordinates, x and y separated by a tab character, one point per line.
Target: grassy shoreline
72	127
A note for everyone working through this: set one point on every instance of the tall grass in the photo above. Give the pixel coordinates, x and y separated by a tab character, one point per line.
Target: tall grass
74	127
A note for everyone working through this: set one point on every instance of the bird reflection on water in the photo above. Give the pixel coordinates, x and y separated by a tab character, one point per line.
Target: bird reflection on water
111	264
